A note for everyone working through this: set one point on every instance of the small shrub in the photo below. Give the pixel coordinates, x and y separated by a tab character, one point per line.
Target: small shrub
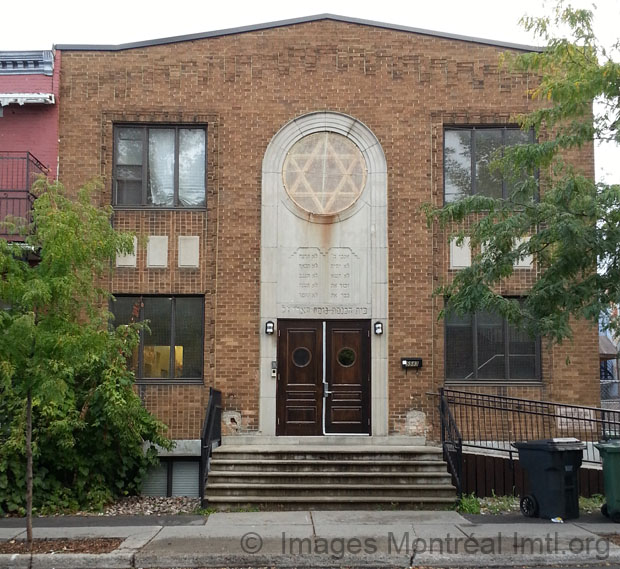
468	504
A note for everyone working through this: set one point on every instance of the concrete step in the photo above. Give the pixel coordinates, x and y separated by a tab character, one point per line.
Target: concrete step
317	490
257	452
325	440
365	502
326	465
318	477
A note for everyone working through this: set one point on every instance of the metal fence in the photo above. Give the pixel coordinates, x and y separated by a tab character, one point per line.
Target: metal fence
494	422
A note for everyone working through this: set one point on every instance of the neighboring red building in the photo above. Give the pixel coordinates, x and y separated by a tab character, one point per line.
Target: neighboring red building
28	126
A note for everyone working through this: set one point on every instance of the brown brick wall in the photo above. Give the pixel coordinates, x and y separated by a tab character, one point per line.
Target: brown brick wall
245	87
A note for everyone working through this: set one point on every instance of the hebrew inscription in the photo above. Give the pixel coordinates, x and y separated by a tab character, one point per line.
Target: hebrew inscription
323	282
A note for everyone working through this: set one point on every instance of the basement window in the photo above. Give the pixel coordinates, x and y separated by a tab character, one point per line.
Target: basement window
173	477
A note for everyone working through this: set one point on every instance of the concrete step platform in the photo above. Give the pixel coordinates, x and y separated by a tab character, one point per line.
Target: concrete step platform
295	476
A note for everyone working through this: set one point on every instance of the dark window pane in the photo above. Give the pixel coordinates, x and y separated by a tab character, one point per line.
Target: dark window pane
457	164
129	146
128	192
191	167
126	310
188	352
161	167
490	346
156	361
522	350
514	137
459	347
488	146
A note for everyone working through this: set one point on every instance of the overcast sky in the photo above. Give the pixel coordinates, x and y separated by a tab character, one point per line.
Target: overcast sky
39	24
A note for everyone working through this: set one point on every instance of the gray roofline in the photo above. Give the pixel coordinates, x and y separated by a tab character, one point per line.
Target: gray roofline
291	22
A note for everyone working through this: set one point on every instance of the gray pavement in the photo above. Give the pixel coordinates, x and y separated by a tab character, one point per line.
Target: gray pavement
325	539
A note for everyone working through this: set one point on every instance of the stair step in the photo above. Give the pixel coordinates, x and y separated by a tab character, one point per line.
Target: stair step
317	477
310	465
225	503
421	490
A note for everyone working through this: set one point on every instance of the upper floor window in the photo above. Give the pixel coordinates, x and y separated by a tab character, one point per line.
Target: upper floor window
468	153
172	347
159	166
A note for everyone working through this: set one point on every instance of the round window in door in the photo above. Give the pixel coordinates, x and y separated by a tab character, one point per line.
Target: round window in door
346	357
301	357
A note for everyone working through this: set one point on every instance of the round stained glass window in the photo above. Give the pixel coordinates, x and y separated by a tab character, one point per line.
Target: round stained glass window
301	357
346	357
324	173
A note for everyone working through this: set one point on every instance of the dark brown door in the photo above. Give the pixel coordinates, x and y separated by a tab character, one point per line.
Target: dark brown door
347	405
323	377
300	388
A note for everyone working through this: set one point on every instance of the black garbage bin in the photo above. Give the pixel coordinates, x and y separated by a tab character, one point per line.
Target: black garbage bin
552	468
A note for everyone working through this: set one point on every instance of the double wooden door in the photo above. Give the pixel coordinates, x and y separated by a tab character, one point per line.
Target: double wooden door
323	377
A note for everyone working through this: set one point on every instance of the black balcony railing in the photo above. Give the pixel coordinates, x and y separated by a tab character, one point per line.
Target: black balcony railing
18	171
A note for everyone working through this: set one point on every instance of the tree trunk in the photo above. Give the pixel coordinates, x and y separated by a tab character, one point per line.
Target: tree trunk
29	469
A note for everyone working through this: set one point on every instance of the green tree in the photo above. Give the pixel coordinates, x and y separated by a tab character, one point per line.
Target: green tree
571	225
68	411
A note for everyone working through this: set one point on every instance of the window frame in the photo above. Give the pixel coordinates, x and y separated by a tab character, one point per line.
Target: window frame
472	173
145	128
473	378
139	369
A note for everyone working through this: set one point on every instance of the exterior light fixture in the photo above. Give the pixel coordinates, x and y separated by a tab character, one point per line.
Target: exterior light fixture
378	328
270	327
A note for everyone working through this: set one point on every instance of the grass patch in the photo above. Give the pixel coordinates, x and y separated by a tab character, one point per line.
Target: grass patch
592	504
468	504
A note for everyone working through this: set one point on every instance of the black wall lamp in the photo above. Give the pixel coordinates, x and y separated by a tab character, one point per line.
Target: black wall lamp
270	327
378	328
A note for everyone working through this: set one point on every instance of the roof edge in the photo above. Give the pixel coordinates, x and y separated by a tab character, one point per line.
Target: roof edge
291	22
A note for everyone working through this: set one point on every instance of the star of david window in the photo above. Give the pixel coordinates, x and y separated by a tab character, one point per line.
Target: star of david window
324	173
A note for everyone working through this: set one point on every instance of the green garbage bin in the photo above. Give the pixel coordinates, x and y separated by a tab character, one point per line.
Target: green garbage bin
610	453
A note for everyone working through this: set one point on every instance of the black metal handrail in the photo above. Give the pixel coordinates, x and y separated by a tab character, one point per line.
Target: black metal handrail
494	422
452	443
211	437
18	171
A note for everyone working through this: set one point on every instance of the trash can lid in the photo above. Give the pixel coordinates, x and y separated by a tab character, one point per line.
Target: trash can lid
557	443
612	445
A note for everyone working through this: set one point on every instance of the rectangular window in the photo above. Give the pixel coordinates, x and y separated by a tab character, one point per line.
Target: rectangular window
468	153
484	346
159	166
172	348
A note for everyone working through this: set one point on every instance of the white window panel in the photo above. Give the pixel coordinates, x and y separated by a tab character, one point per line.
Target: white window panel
157	252
460	255
189	251
525	262
130	259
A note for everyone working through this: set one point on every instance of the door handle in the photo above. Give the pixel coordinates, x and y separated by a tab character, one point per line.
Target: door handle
326	391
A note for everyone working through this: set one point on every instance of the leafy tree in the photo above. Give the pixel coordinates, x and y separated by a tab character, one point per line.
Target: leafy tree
68	411
571	225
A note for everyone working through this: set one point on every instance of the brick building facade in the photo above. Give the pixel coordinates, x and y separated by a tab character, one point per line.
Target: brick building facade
319	140
29	85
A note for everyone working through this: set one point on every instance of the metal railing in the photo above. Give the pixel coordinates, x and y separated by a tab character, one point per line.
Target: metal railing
452	443
494	422
211	437
18	171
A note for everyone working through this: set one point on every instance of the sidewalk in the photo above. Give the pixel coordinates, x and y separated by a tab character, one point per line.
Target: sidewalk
323	539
